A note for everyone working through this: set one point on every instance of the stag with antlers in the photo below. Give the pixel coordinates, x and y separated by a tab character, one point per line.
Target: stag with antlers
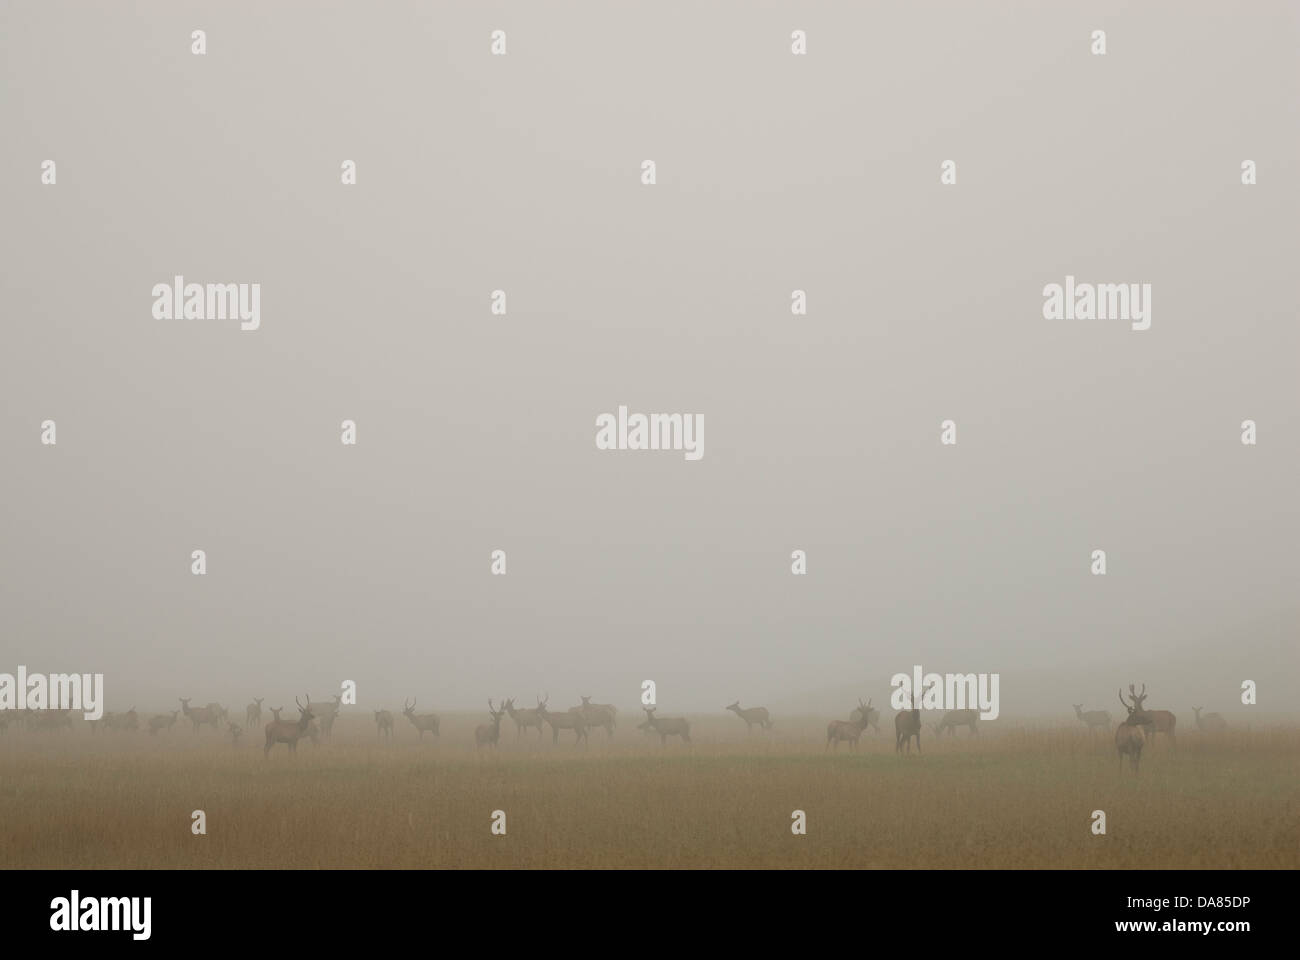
421	721
570	720
287	731
525	717
1158	721
1129	736
850	730
489	734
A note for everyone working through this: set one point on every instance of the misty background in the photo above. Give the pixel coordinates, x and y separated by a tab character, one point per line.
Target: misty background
476	432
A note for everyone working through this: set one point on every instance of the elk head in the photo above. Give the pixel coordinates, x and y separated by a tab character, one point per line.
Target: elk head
305	714
409	708
1136	715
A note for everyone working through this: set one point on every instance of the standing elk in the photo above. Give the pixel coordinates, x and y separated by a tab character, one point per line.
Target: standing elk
253	712
200	715
671	727
1211	722
1095	719
326	714
954	719
571	720
907	724
1129	738
162	721
525	718
872	715
384	721
1158	721
287	731
849	730
489	734
599	715
751	716
421	721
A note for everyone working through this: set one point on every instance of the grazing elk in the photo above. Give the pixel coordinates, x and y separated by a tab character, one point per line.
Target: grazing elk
200	715
599	715
570	720
384	721
421	721
489	734
849	730
671	727
253	712
1095	719
1211	722
751	716
525	718
954	719
1158	721
287	731
162	721
1129	738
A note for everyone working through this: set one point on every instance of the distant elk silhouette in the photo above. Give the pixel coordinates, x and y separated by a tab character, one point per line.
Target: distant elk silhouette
1158	721
326	714
1095	719
666	727
872	716
489	734
751	716
570	720
1129	738
287	731
850	730
907	724
201	715
163	721
525	717
599	715
1211	722
954	719
384	721
421	721
253	712
122	721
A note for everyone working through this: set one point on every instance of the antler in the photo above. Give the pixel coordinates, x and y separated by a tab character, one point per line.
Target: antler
1121	697
1144	690
300	706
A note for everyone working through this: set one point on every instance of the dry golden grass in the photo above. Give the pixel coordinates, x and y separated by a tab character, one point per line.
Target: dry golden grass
1014	797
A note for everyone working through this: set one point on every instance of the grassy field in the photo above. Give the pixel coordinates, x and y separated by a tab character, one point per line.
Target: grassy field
1017	796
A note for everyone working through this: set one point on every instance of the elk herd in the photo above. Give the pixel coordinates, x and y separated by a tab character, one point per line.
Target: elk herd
1138	725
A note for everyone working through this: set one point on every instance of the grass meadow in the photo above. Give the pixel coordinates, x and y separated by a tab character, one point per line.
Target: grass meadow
1016	796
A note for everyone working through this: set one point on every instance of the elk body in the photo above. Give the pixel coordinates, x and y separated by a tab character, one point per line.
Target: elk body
1129	736
954	719
849	730
599	715
384	722
1158	721
421	721
669	727
489	734
122	721
872	716
525	718
1211	722
751	716
253	712
201	715
325	714
907	724
1095	719
288	731
571	720
162	721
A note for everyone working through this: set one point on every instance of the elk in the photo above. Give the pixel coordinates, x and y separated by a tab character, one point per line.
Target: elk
751	716
872	716
572	720
1129	738
849	730
253	712
907	724
200	715
954	719
675	726
218	711
235	731
599	715
287	731
122	721
421	721
1211	722
1158	721
384	721
525	718
326	715
1095	719
488	734
162	721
